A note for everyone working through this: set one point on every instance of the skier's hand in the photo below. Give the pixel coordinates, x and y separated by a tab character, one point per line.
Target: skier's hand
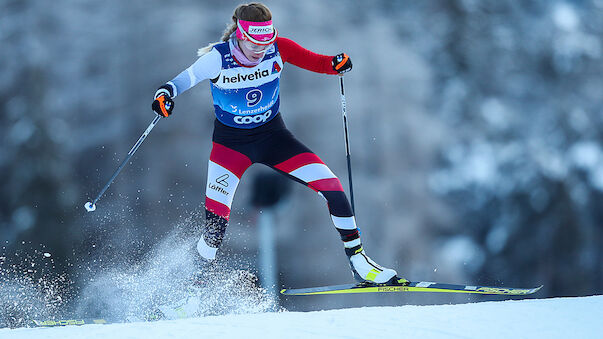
341	63
163	103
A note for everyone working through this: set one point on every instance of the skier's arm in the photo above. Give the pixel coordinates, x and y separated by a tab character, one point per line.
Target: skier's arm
208	66
293	53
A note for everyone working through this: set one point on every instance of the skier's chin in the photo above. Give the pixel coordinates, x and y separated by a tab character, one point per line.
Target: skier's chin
256	57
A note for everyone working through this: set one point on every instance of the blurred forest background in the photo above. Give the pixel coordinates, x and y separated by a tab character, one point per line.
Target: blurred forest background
475	134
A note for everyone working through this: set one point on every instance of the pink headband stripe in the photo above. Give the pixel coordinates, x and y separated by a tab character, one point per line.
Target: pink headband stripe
260	33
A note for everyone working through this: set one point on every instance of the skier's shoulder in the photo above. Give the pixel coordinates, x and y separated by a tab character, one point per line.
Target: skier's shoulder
222	47
287	45
281	40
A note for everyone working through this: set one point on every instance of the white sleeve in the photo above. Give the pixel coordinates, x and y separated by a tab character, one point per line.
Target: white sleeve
207	66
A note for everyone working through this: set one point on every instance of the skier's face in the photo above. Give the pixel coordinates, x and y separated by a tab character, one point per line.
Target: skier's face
252	51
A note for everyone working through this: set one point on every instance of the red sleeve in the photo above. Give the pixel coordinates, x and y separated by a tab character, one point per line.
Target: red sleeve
295	54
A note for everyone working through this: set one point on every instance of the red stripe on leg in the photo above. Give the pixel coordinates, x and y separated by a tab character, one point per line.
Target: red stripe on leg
298	161
331	184
217	208
232	160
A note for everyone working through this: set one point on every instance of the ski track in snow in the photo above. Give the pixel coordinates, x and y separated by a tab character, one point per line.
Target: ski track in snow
574	317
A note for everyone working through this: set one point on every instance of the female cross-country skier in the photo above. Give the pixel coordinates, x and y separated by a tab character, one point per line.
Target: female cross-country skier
244	71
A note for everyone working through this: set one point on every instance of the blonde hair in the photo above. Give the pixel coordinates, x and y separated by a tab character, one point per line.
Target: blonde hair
254	11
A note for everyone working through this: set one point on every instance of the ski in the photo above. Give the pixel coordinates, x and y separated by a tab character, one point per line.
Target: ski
68	322
405	286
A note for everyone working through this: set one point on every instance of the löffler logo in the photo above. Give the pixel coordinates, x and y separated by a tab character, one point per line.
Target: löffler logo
222	180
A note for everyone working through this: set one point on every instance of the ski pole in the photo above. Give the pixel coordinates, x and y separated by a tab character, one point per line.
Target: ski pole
347	143
91	206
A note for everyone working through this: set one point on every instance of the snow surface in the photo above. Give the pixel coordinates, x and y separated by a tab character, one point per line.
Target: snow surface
575	317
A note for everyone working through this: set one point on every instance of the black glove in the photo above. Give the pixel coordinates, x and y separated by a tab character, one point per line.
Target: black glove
341	63
163	103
